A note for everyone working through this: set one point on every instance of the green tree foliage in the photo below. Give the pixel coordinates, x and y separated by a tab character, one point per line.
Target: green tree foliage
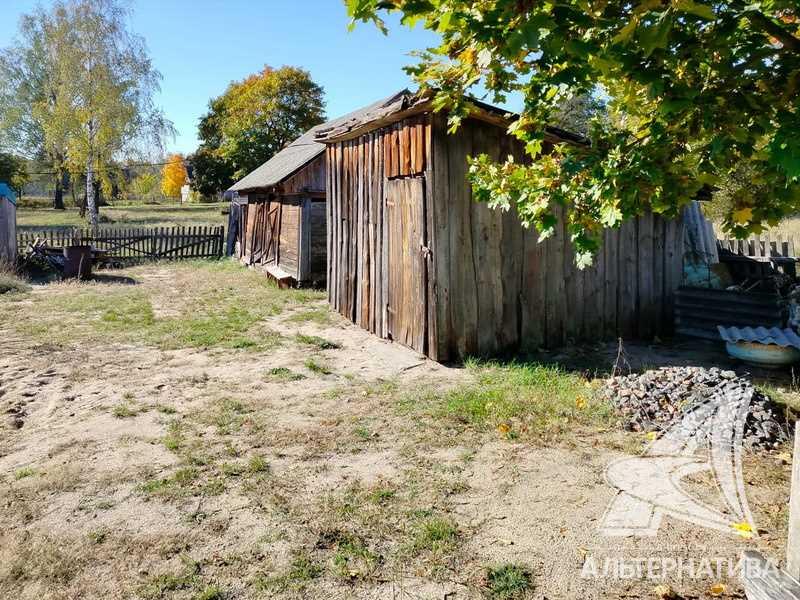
27	100
695	89
146	186
13	171
98	82
212	173
251	122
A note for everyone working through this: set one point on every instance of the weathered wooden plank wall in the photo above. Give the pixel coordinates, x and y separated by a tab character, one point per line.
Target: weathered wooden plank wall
8	231
504	290
490	286
358	275
293	213
311	178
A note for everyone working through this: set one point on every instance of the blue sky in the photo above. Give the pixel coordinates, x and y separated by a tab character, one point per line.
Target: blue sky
201	45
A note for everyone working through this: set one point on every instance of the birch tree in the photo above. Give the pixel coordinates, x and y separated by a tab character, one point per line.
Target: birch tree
98	84
27	99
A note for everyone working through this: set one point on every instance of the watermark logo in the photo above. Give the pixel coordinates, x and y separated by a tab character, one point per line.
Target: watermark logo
708	437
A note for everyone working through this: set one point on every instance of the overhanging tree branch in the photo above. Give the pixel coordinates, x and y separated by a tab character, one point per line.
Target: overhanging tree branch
767	25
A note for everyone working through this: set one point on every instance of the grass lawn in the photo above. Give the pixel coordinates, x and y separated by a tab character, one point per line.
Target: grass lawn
189	430
142	215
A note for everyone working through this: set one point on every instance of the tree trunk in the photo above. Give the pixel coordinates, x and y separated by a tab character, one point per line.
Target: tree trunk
91	200
91	203
58	200
61	181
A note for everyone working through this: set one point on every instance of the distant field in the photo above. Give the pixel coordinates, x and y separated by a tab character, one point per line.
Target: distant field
144	215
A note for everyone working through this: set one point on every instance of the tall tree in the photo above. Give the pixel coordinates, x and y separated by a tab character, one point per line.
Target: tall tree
252	121
96	97
13	171
145	186
27	99
696	88
173	176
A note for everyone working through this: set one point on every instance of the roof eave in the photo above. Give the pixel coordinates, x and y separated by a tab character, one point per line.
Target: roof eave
478	110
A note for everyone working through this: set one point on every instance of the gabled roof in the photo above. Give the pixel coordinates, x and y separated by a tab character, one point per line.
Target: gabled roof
303	150
406	104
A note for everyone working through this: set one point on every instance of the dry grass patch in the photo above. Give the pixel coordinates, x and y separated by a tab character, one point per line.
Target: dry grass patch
195	304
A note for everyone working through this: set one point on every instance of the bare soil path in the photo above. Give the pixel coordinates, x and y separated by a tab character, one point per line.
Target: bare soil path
326	464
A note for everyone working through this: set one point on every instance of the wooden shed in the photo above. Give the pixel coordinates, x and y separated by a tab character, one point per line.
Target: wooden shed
281	214
281	210
414	259
8	224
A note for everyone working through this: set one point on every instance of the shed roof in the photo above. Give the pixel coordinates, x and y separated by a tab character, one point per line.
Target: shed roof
406	103
304	149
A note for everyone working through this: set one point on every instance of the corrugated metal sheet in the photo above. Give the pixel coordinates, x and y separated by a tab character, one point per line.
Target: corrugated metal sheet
699	311
302	151
762	335
701	241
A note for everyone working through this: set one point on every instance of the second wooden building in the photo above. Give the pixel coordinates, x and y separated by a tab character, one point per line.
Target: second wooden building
412	258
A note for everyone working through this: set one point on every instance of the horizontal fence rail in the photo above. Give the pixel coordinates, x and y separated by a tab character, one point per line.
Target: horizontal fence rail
151	243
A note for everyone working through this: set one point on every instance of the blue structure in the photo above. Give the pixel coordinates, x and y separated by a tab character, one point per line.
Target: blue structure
8	223
7	193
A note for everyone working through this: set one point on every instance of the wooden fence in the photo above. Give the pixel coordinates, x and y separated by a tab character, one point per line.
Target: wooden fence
761	248
151	243
758	257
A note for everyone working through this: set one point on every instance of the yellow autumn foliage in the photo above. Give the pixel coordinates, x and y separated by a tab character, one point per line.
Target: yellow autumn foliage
173	176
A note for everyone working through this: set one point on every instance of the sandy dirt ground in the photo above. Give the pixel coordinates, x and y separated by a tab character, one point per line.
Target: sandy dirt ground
134	472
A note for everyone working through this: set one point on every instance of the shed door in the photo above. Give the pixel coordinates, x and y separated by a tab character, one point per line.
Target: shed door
407	293
272	233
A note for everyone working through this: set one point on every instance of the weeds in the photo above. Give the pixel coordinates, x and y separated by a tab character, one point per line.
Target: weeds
317	367
301	571
224	308
518	399
320	316
10	283
124	411
508	582
257	464
24	472
316	341
283	375
437	535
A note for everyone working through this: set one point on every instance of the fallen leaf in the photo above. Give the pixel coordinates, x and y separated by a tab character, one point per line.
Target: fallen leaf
717	589
651	435
743	529
664	591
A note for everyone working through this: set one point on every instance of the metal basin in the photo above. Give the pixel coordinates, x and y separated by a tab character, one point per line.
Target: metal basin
768	356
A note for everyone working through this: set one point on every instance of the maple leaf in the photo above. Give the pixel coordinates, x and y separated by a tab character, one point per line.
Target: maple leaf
743	215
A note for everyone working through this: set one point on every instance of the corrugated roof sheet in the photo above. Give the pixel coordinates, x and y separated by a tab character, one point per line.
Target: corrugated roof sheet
302	151
773	335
